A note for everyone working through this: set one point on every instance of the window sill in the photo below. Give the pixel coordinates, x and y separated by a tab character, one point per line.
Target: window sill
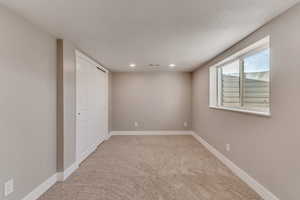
265	114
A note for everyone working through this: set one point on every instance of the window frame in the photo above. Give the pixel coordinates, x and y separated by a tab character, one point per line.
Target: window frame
239	56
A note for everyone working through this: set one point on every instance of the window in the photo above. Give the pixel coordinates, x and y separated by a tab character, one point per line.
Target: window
229	84
242	81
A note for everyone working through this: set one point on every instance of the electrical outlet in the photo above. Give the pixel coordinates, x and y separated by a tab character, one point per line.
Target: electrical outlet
136	124
228	147
9	187
185	124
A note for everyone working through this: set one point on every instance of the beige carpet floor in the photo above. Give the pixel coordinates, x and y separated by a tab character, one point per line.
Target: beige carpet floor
151	168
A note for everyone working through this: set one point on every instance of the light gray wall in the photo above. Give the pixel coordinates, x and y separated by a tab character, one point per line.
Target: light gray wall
66	110
60	105
27	104
109	102
267	148
156	100
69	74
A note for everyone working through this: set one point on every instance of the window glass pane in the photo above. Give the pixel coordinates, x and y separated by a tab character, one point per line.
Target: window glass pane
230	80
257	81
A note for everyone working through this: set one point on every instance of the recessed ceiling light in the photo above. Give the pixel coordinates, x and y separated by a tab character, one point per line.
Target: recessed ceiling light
172	65
132	65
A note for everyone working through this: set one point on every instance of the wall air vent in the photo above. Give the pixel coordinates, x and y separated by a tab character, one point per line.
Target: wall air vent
154	65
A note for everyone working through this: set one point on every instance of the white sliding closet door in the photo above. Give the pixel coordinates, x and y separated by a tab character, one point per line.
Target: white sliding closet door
92	106
100	104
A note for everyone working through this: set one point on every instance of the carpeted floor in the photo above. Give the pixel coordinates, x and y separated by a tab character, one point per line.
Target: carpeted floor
151	168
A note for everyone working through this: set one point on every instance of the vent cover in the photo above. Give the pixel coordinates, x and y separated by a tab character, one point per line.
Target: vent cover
154	65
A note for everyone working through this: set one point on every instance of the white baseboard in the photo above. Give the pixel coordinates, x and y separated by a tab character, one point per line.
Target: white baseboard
107	136
62	176
184	132
101	140
58	177
88	152
256	186
42	188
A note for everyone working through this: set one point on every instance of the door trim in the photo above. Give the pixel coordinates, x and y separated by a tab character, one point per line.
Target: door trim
88	58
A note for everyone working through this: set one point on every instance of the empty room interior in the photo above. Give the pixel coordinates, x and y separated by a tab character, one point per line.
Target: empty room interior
149	100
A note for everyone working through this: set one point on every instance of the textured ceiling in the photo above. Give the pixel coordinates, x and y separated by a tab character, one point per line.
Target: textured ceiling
119	32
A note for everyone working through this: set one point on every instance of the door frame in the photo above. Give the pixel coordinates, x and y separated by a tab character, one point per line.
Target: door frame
79	54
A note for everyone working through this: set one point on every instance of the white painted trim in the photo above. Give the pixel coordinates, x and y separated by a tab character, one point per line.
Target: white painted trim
264	42
241	110
89	59
214	78
108	136
255	185
87	153
101	140
213	89
42	188
184	132
62	176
